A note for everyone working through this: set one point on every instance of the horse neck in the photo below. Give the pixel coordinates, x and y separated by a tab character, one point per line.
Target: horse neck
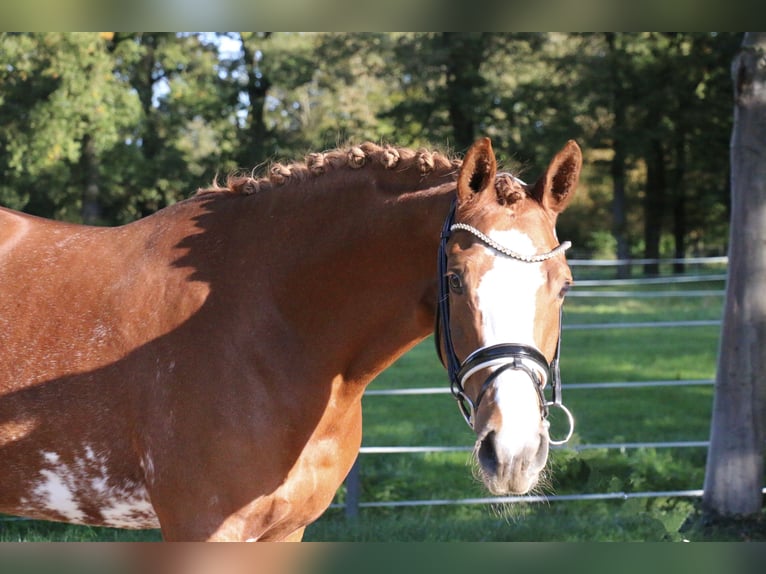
356	274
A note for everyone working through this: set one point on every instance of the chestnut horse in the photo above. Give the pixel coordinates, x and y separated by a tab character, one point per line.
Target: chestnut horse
201	370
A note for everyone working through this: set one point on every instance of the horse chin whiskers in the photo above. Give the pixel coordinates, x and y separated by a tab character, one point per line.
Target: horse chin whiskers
544	485
516	511
513	511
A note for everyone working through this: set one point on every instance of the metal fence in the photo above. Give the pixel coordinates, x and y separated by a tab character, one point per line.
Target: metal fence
353	482
591	288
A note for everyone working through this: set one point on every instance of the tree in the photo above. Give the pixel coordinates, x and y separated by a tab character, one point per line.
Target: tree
257	85
668	136
680	131
104	128
465	52
110	127
184	132
618	163
444	80
356	80
735	466
61	109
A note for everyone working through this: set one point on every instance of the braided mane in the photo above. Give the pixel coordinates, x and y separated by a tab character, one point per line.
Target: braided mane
422	161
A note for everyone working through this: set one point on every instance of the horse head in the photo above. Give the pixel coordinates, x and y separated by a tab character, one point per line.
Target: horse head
504	276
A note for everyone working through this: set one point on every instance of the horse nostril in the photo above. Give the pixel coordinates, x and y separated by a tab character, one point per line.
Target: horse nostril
487	453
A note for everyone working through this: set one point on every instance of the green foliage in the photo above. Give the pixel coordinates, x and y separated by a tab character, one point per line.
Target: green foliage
110	127
604	415
703	526
602	245
56	90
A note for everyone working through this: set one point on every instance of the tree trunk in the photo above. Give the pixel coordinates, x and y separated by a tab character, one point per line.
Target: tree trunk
258	85
734	474
619	221
465	54
90	212
619	104
654	204
679	203
145	82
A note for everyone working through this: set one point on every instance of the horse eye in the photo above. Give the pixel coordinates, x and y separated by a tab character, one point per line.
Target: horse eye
455	283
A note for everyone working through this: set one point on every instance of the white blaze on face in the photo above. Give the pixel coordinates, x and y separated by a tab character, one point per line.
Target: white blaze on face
507	297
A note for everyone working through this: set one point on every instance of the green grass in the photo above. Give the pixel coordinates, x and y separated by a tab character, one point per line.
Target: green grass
603	416
659	520
41	531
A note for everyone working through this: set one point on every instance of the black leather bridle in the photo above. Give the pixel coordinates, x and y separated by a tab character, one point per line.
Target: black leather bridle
505	356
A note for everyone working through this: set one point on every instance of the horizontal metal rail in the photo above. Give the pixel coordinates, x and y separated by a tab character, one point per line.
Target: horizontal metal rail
646	294
643	325
353	504
621	262
577	292
577	447
566	386
671	280
638	384
535	498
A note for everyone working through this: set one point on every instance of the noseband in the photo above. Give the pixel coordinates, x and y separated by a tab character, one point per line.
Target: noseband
506	356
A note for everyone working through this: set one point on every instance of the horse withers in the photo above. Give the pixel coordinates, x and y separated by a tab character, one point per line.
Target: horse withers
201	370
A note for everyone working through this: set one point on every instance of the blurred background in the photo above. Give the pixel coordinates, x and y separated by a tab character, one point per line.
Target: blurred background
104	128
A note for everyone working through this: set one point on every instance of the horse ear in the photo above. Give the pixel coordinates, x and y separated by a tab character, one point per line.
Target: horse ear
477	173
556	187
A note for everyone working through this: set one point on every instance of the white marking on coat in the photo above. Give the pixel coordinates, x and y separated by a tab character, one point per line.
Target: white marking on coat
130	507
507	297
507	293
55	494
147	464
51	457
89	454
62	489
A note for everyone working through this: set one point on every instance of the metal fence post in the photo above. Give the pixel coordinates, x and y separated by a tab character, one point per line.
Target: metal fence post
353	491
